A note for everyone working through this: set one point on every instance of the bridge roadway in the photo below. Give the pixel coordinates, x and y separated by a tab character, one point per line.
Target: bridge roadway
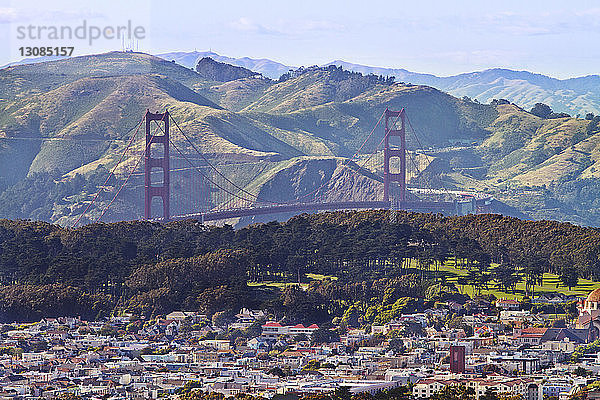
424	206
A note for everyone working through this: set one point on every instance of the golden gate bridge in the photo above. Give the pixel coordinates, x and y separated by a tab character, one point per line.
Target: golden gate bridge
205	192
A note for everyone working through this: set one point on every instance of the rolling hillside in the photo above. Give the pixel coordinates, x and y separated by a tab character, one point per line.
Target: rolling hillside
65	123
574	96
579	95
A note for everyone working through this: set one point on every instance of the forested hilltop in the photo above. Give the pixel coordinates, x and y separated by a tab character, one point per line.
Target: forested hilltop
356	266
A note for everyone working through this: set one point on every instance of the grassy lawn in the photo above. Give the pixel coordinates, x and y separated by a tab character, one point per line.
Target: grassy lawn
551	284
449	273
319	277
307	278
279	285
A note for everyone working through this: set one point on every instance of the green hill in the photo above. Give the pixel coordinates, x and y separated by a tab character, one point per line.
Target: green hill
67	122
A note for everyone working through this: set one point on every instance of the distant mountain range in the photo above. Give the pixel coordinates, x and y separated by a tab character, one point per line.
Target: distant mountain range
33	60
270	69
576	96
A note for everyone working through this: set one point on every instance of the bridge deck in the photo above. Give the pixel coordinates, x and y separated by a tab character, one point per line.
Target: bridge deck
428	206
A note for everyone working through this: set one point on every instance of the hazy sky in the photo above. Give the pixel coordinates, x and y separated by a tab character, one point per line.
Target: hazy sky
557	38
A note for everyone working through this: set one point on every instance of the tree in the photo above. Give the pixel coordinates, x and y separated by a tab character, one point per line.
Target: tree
457	322
342	393
396	345
220	318
277	371
569	276
462	281
580	371
477	279
490	394
253	330
69	396
323	335
541	110
498	102
454	392
440	292
533	266
559	323
312	365
399	393
108	330
506	276
554	115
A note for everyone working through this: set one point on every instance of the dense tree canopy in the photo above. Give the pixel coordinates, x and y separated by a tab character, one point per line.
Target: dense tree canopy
151	268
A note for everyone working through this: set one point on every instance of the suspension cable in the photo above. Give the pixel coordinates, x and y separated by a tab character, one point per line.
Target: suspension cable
112	172
429	161
360	167
132	170
205	176
217	170
347	162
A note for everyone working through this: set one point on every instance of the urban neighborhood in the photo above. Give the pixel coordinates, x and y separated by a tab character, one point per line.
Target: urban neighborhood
498	347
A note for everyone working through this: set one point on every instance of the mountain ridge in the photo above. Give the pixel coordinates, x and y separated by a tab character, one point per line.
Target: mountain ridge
270	69
519	86
524	88
576	95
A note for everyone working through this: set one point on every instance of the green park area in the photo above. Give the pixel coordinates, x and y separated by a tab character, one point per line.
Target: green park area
551	284
458	276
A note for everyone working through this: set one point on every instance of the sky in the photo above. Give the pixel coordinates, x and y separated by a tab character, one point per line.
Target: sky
556	38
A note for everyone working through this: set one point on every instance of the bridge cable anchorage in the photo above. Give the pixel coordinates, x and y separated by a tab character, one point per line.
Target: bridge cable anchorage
128	176
347	162
112	172
217	170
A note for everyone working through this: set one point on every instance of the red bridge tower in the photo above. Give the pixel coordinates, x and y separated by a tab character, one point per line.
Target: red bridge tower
389	152
151	191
